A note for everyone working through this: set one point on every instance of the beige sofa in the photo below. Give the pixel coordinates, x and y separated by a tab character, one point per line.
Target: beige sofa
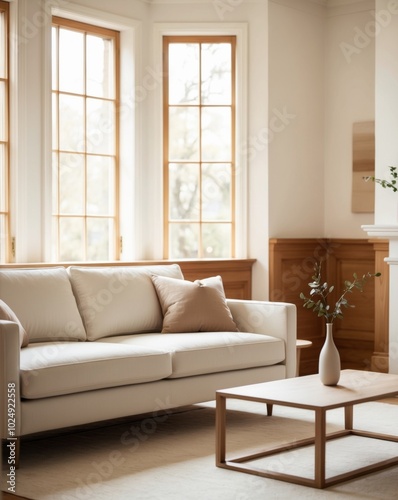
98	345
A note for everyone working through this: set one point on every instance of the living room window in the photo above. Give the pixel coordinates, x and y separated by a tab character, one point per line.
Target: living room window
4	134
85	83
199	146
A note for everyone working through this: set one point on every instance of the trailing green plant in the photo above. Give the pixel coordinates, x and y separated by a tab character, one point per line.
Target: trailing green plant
318	299
392	183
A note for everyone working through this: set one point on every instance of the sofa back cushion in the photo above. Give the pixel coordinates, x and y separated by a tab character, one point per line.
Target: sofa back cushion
44	303
120	299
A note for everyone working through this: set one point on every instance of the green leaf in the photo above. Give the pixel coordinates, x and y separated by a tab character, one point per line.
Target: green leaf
319	291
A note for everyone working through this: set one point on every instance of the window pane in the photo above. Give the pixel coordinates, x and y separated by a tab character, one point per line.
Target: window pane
71	180
99	238
100	67
100	185
216	241
3	108
184	241
100	126
184	73
71	123
54	179
55	239
199	146
55	121
3	179
216	192
3	45
216	73
84	138
4	135
184	191
71	243
71	61
54	58
216	134
183	133
3	238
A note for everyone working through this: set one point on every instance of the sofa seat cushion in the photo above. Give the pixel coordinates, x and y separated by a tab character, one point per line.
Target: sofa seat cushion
65	368
211	352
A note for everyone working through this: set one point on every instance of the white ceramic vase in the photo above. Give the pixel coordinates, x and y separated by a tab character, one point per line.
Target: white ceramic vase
329	359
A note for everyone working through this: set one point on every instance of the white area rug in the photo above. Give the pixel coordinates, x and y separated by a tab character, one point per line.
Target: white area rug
173	457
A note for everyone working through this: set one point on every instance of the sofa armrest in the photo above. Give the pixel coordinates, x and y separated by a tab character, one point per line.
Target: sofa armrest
9	378
278	319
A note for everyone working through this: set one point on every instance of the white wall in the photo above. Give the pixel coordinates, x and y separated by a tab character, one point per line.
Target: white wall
296	86
302	100
386	108
318	72
349	98
387	153
27	121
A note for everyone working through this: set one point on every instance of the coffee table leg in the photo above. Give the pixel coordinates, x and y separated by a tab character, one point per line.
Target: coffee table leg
221	408
349	417
320	448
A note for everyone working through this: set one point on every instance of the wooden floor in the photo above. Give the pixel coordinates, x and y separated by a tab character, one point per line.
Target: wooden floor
9	496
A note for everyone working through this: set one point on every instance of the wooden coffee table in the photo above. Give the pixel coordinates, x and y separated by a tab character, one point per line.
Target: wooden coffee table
308	393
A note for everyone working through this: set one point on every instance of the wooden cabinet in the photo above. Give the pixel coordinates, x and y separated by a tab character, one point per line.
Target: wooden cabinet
380	354
235	273
360	336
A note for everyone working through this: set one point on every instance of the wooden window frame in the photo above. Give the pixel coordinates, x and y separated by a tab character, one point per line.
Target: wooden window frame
115	35
168	39
5	239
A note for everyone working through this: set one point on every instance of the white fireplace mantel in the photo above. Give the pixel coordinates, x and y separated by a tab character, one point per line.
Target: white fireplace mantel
387	232
390	233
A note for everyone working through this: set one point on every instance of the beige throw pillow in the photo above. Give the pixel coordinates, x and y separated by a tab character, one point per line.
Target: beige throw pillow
6	313
198	306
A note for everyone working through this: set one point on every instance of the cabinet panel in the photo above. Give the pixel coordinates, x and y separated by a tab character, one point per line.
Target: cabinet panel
291	269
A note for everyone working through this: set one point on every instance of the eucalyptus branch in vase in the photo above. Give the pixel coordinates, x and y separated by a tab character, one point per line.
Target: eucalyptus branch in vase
318	299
